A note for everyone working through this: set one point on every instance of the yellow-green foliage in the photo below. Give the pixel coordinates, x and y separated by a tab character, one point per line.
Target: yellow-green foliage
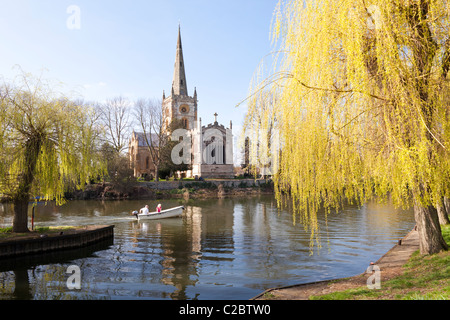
67	155
359	95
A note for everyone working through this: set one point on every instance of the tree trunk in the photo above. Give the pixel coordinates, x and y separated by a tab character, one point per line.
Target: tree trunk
424	49
22	196
430	235
447	205
20	220
442	213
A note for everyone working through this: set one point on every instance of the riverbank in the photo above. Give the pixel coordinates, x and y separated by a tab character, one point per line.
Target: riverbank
52	239
181	189
404	274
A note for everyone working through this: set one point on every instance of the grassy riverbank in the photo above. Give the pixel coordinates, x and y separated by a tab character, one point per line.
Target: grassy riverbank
424	278
6	234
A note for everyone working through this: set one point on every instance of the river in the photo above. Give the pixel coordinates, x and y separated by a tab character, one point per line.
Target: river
221	249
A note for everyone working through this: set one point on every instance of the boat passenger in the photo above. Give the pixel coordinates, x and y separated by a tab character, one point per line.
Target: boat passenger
158	208
144	210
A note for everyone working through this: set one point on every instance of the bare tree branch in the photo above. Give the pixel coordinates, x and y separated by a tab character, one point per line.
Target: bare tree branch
115	118
148	113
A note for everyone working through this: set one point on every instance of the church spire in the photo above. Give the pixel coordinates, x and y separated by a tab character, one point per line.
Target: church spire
179	86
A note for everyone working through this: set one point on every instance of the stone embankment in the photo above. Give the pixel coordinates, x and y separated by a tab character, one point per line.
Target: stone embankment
42	243
175	189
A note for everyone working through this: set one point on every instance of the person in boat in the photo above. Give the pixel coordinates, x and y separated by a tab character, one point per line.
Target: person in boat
158	208
144	210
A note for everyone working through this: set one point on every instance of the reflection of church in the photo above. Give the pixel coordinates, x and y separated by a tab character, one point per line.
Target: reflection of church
211	145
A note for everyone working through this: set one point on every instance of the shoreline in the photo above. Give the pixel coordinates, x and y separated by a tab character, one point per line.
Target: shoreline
179	189
390	265
38	243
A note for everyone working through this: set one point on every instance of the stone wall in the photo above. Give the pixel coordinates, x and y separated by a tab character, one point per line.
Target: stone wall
232	183
80	238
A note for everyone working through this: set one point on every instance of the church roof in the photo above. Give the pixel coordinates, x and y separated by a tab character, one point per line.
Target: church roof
142	142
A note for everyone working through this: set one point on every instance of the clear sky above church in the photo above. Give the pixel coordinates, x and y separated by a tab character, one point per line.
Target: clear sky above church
128	47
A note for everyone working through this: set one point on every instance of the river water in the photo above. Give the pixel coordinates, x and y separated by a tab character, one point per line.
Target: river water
220	249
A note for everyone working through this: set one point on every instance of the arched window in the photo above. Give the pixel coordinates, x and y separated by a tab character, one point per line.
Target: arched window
147	163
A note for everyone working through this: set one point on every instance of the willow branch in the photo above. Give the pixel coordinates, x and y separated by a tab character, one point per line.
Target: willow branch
338	90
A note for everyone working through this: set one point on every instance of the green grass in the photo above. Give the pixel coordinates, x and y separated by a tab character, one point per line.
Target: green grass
5	230
7	234
425	278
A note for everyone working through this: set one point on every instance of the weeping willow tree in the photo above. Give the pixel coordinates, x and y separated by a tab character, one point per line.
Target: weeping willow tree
360	97
47	143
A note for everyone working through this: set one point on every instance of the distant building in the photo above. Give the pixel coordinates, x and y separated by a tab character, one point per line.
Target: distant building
211	146
140	157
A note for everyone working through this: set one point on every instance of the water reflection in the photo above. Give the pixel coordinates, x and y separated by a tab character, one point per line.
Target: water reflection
30	277
220	249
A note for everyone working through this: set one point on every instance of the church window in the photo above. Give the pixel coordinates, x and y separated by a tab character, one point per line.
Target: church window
181	81
185	123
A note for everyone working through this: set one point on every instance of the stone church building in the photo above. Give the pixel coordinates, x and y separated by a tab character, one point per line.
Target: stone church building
211	146
140	157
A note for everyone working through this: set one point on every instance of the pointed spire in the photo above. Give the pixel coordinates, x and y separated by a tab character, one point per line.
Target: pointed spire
179	46
179	85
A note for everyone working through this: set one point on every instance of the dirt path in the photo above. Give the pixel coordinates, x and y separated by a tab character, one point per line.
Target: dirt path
391	265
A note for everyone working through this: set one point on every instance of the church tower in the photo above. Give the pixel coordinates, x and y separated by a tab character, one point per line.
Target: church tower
212	145
179	105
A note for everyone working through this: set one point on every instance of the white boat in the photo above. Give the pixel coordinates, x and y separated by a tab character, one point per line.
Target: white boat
164	214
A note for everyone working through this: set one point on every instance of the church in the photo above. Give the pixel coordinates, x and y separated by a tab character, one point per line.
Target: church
210	146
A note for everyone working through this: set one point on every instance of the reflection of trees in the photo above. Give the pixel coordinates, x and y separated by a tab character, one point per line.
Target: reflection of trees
6	285
43	276
22	289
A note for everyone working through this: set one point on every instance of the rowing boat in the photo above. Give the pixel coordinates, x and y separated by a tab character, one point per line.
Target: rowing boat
164	214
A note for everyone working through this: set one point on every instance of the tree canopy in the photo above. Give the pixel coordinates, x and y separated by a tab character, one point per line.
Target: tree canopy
360	98
47	143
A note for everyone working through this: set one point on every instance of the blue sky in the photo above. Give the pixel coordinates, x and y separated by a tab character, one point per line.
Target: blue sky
128	48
